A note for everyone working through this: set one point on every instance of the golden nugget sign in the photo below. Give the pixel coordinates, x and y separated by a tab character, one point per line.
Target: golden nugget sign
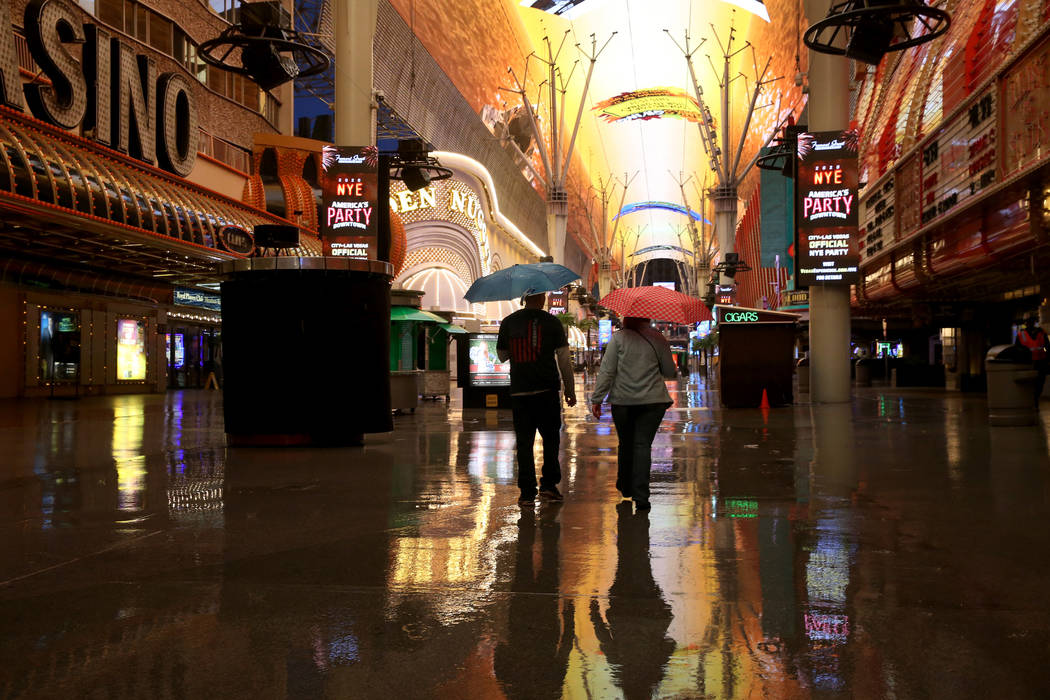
650	104
448	200
455	200
112	91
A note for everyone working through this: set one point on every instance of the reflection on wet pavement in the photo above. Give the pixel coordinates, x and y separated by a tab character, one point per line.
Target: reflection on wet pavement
891	547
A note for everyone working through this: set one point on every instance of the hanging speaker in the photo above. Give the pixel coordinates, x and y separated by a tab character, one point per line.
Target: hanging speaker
415	178
276	236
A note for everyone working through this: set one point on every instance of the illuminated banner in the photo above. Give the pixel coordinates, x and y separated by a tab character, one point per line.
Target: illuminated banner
349	221
650	104
557	302
827	208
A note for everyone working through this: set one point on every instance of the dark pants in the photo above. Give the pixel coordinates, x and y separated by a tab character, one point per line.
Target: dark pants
1040	367
531	413
636	427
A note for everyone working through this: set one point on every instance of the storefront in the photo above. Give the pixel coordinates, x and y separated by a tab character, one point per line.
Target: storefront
455	233
193	340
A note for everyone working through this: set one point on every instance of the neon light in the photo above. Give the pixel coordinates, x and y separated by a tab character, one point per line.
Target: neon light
654	248
669	206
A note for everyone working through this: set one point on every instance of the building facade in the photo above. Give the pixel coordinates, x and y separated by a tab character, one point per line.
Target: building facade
124	159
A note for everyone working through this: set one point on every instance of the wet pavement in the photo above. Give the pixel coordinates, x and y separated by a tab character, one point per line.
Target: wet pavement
895	547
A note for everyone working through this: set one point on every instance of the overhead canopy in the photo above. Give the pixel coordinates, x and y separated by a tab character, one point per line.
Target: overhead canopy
452	328
407	313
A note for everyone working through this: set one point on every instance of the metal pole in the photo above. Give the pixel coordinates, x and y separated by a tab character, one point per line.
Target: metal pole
829	311
355	26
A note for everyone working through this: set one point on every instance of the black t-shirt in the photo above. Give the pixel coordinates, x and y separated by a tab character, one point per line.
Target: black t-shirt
530	337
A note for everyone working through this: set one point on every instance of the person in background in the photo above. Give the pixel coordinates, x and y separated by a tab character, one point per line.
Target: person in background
535	343
636	363
1034	338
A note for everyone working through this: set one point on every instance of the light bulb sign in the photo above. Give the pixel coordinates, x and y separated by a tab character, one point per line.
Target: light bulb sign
827	208
349	221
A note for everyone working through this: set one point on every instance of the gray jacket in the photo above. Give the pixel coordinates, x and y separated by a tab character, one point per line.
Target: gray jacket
634	369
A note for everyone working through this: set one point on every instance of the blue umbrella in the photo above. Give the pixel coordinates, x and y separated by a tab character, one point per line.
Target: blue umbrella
518	280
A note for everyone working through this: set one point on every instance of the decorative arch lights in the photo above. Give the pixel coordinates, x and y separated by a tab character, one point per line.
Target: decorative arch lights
442	289
651	103
668	206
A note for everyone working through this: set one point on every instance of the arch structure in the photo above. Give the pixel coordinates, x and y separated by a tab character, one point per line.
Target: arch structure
455	233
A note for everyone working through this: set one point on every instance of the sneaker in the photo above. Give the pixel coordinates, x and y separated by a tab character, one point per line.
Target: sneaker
526	500
551	493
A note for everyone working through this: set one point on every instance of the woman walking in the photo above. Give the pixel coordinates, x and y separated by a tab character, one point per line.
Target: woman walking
636	363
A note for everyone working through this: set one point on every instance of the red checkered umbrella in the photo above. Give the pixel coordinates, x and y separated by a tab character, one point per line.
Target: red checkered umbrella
656	303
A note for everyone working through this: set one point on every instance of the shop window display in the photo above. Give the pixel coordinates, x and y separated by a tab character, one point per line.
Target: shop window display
131	350
59	346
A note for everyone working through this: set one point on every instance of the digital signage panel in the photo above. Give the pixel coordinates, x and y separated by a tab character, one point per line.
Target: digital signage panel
604	332
131	350
558	301
349	218
827	208
485	367
180	350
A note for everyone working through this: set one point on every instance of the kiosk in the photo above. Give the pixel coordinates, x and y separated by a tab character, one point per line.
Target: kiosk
484	379
756	350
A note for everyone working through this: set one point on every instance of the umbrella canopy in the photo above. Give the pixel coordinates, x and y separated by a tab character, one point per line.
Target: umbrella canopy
517	280
657	303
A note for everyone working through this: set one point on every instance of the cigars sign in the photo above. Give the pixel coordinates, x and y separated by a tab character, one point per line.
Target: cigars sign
827	208
110	90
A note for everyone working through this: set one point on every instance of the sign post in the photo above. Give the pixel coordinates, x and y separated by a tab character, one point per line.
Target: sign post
829	307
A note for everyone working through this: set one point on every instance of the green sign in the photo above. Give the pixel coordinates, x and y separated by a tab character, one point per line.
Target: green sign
740	317
740	508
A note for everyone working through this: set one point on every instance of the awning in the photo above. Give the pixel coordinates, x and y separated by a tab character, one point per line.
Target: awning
67	200
407	313
453	328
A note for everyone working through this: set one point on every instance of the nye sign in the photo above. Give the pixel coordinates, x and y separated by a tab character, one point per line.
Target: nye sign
827	208
650	104
349	221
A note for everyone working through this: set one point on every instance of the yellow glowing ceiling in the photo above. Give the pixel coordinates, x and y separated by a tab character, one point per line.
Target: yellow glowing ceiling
640	56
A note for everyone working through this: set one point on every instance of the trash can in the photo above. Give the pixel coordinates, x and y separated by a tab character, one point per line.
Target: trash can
862	372
1011	398
802	369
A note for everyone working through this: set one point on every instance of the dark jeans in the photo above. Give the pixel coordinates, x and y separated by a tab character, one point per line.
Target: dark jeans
1040	367
636	427
531	413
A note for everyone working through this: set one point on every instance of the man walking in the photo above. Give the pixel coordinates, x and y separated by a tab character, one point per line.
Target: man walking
535	343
